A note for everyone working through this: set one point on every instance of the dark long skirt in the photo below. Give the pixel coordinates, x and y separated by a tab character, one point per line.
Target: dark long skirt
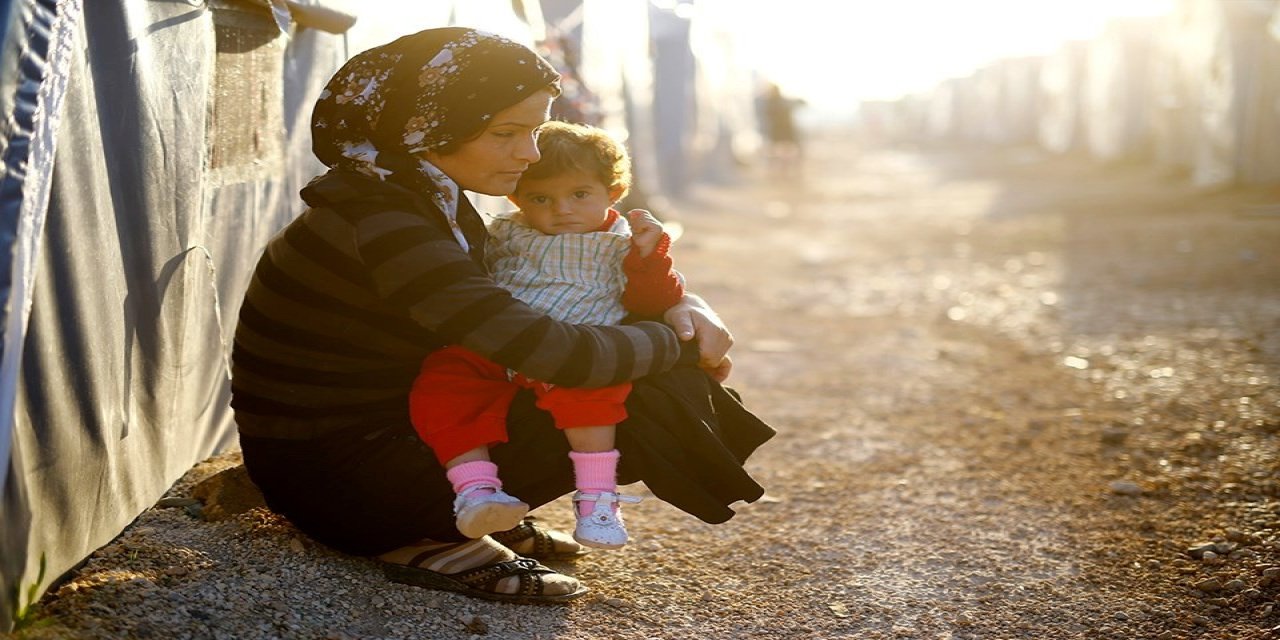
366	491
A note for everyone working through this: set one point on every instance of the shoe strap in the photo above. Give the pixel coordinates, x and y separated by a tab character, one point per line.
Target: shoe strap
465	492
605	497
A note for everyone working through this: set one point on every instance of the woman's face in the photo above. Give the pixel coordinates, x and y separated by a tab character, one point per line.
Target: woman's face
492	162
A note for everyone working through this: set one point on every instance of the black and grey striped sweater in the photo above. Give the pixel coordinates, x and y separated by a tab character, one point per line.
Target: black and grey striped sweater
348	299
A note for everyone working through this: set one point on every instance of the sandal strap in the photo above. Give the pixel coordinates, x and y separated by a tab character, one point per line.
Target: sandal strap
528	570
543	544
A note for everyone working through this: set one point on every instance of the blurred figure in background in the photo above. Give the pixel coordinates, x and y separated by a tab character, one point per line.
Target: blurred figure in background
784	150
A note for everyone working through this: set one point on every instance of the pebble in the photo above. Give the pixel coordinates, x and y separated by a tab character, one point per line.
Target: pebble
1125	488
475	625
1209	585
1235	585
619	603
1198	550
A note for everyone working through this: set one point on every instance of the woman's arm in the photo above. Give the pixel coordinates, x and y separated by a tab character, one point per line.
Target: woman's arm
419	267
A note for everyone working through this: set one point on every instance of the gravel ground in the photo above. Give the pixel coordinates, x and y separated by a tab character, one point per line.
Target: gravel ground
1017	397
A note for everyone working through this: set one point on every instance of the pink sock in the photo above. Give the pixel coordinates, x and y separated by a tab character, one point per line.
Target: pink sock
480	473
593	473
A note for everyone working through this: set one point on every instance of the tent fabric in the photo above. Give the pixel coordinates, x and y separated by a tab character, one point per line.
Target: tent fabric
36	52
727	129
184	140
614	38
1232	104
1117	92
1061	125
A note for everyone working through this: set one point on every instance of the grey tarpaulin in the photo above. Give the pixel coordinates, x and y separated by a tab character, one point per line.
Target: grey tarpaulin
182	144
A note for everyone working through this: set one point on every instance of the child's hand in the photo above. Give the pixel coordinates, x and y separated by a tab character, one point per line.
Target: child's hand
646	231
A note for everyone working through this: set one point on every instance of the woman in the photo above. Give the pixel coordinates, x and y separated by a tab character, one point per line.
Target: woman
384	267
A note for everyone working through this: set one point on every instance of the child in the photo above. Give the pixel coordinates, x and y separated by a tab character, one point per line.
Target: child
568	253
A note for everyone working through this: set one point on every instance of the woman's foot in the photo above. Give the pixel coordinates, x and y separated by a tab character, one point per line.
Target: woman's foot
481	568
482	510
601	525
532	540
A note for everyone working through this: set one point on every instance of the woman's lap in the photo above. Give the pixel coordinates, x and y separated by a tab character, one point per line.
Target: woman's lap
368	493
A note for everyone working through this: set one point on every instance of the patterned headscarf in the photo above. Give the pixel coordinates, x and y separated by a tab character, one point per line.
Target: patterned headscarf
421	92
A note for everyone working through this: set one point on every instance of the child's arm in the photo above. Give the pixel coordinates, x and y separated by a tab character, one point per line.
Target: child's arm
652	285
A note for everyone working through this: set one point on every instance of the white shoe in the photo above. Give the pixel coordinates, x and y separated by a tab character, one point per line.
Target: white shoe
477	515
603	527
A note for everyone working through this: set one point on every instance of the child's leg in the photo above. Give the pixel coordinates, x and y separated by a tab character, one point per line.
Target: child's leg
580	414
458	405
595	461
482	507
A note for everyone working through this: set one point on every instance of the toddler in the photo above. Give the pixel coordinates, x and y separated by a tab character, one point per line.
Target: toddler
568	253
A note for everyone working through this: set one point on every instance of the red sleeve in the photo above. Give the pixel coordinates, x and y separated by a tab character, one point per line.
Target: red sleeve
652	285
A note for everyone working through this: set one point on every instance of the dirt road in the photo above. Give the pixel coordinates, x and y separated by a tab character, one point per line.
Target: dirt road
1017	397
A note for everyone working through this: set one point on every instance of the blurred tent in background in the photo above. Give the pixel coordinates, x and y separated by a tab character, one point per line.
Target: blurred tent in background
1061	119
1195	91
149	151
1116	100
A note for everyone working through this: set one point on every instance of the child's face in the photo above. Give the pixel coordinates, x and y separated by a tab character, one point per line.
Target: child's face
571	202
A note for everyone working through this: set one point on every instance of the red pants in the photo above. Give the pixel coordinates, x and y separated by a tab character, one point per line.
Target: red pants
460	399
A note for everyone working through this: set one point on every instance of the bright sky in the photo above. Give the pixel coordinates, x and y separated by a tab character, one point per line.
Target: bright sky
834	53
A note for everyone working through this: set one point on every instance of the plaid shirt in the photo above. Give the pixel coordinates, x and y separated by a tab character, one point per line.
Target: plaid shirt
573	277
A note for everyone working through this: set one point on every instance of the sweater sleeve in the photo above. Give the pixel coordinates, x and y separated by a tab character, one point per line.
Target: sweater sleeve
418	267
652	285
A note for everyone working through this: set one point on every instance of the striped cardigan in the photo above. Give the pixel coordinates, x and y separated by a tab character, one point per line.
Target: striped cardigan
347	300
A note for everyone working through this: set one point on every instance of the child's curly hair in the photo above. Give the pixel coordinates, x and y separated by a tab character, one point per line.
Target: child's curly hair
578	147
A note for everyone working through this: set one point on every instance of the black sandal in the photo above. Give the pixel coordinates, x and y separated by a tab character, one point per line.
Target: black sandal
480	581
544	546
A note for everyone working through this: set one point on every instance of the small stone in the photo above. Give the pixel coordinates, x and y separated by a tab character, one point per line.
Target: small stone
1114	436
1235	585
475	625
1271	573
1243	538
1251	593
1198	549
1209	556
176	571
296	545
618	603
1209	585
1120	615
1125	488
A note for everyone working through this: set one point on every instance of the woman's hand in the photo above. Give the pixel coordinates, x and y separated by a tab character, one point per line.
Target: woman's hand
691	319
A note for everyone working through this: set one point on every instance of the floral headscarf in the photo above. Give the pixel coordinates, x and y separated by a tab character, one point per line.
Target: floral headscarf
421	92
